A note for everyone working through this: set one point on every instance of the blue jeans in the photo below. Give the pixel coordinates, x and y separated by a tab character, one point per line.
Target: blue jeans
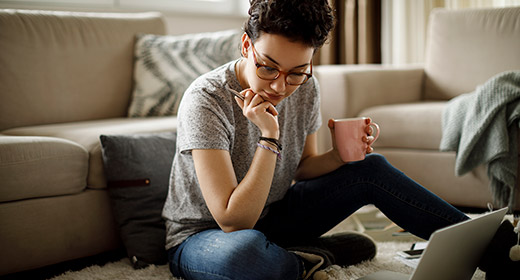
309	209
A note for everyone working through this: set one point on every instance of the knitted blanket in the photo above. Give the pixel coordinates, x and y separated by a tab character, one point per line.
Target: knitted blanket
482	127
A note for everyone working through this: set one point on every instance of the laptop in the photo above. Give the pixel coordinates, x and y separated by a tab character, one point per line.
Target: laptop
453	252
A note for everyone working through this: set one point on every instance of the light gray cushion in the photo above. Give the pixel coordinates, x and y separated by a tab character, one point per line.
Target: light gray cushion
137	169
166	65
410	126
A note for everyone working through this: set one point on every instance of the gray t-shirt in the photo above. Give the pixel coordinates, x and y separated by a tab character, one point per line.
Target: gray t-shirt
209	118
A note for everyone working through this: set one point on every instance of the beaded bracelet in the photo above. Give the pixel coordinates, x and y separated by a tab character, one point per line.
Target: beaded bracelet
278	154
273	141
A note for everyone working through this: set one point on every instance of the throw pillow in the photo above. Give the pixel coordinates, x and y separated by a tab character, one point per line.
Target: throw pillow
166	65
137	169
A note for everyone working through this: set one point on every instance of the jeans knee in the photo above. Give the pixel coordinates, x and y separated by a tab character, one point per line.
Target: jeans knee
376	158
249	249
378	161
371	161
249	242
245	254
248	237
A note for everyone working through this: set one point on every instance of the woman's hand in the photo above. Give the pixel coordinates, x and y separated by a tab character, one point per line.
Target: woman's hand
262	113
367	139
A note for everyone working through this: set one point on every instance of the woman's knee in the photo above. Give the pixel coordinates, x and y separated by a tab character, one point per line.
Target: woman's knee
270	260
377	162
247	242
244	252
376	159
230	246
249	246
371	162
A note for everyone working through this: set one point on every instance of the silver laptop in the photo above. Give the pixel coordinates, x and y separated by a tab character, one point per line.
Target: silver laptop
453	252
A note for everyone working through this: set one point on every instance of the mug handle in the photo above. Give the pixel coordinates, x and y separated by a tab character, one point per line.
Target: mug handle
375	132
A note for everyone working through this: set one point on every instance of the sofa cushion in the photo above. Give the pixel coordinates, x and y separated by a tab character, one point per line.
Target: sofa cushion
59	66
137	169
87	135
412	125
166	65
466	47
32	167
436	171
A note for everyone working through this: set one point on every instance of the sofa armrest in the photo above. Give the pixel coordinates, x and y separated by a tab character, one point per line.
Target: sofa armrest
346	90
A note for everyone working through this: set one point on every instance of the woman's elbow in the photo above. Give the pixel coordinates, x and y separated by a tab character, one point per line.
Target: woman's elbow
234	227
228	229
231	225
300	175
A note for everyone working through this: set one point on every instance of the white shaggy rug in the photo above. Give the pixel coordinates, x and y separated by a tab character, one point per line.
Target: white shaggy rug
385	259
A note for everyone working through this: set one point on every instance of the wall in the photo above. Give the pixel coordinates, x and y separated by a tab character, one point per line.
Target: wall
177	22
184	24
404	25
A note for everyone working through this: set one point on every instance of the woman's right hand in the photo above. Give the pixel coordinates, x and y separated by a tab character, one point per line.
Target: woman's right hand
262	113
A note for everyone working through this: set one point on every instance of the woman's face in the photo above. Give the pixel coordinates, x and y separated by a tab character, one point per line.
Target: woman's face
274	51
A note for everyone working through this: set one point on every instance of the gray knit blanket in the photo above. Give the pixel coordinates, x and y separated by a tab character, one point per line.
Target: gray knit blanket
482	127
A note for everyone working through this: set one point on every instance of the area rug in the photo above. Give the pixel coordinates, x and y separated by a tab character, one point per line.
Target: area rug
385	259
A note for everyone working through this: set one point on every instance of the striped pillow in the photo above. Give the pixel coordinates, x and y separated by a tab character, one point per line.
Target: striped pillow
166	65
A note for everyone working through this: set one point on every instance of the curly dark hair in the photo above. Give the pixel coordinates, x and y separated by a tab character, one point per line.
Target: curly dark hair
305	21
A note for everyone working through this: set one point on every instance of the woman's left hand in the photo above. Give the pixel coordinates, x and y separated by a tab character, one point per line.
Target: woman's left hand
368	139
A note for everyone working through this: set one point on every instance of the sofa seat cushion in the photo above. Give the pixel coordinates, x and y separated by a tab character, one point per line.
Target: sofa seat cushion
87	135
411	125
32	167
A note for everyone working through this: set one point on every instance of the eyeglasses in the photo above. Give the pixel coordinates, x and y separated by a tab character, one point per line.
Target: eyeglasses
265	72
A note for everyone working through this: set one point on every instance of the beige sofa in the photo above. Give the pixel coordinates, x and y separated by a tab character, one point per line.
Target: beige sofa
465	48
65	78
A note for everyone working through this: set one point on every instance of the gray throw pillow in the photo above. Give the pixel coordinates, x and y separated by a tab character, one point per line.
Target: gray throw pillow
137	169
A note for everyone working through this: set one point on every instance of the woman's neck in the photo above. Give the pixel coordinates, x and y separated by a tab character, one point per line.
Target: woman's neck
239	70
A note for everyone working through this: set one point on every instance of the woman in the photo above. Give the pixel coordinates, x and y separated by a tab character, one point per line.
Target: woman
233	211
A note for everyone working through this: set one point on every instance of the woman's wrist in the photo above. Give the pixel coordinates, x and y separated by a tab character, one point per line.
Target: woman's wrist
335	157
270	147
274	135
273	142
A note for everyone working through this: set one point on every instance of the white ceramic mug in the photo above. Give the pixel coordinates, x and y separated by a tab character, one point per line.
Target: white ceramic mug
349	137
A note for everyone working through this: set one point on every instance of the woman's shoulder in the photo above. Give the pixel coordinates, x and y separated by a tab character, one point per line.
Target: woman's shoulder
308	92
311	85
